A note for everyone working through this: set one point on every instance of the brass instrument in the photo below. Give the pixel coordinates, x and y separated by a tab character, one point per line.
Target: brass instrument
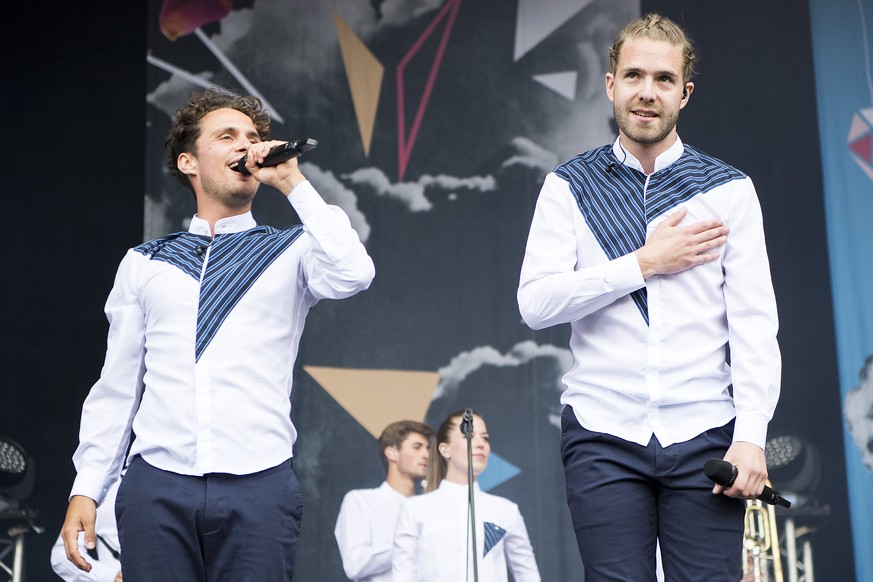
761	556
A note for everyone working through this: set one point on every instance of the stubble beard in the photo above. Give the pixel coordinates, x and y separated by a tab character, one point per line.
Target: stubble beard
657	133
236	196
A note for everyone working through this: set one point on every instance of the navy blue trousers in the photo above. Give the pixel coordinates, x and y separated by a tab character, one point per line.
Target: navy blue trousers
217	527
623	497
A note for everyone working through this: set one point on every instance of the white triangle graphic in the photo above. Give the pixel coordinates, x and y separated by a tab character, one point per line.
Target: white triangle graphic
564	84
537	19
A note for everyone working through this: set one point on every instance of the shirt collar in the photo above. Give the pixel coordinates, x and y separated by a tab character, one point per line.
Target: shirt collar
666	158
386	488
231	224
458	487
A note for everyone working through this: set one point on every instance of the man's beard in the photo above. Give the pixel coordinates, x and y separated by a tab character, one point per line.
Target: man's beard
238	197
654	134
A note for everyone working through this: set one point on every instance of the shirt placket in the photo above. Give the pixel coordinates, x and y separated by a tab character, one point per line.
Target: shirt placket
203	391
653	331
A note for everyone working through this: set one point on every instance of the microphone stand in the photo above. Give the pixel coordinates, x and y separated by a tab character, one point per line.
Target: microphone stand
467	429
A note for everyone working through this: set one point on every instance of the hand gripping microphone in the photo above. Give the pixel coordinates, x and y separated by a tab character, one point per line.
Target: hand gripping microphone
278	154
722	473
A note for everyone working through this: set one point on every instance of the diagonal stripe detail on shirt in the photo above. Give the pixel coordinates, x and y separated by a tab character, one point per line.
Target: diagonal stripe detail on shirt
178	249
235	262
617	206
493	534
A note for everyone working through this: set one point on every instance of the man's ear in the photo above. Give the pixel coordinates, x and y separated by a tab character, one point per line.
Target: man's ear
391	453
187	164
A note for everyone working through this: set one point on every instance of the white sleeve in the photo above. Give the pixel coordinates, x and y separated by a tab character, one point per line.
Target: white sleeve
553	287
519	553
108	411
361	557
338	265
404	560
756	363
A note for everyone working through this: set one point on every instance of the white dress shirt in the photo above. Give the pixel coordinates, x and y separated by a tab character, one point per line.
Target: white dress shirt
202	341
431	542
365	532
106	566
669	377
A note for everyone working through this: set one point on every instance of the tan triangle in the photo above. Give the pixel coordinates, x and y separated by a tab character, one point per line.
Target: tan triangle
376	398
364	73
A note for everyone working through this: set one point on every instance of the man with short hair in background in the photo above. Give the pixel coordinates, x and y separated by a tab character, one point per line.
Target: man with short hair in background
365	525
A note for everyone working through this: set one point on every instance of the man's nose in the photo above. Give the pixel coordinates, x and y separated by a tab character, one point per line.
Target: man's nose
647	90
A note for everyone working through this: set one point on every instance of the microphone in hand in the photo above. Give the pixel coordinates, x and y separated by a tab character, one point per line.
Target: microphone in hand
278	154
723	473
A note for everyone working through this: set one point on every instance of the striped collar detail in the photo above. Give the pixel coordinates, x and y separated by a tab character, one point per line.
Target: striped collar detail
178	249
617	206
236	261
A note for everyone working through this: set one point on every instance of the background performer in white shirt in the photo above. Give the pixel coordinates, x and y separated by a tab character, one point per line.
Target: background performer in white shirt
365	524
204	331
654	253
432	543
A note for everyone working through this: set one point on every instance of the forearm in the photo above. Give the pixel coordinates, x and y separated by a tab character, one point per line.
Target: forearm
546	299
338	265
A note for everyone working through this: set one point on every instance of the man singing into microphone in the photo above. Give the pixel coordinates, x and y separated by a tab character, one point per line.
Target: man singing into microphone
204	331
654	253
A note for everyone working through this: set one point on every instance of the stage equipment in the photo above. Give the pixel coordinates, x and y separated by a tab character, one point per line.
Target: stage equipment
795	464
16	519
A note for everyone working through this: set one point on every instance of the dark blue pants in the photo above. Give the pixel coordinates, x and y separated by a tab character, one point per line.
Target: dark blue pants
623	497
214	528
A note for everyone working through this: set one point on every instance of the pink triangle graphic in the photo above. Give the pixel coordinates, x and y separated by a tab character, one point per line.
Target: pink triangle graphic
405	144
863	148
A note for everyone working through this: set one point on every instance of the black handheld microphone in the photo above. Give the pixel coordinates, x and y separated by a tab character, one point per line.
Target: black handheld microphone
278	154
722	473
467	423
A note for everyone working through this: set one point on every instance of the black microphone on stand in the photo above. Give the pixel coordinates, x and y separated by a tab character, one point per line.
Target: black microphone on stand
723	473
467	429
467	423
278	154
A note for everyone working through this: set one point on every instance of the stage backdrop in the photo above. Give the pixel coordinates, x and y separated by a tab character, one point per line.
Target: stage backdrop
437	121
844	82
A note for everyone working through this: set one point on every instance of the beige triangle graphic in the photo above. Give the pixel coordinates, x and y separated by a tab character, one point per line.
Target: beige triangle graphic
376	398
364	74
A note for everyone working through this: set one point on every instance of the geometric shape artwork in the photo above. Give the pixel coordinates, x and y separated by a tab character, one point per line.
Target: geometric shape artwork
498	471
376	398
564	84
860	140
537	19
236	73
364	74
181	17
405	143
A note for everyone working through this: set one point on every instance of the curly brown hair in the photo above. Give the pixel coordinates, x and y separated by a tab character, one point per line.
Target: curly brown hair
656	27
186	127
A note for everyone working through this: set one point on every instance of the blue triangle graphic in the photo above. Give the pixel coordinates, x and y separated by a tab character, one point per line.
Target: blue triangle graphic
498	471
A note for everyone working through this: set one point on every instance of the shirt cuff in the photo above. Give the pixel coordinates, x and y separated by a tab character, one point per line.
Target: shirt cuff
751	428
624	274
89	486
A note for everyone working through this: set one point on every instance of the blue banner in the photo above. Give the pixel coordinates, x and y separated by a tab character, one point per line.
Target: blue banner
844	84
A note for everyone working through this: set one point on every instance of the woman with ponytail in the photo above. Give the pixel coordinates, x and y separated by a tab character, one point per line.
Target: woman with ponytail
432	541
